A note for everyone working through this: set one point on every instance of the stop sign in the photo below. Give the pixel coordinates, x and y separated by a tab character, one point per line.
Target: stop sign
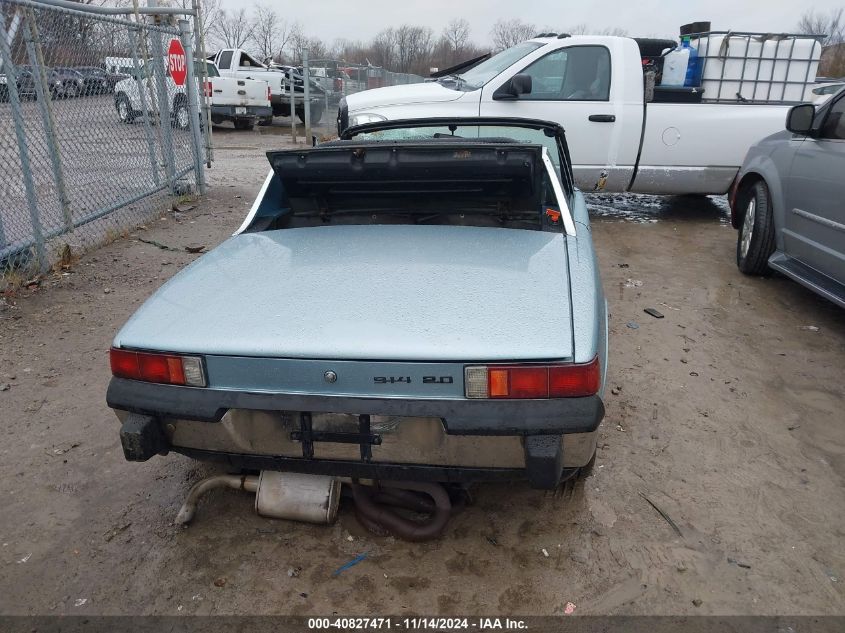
177	65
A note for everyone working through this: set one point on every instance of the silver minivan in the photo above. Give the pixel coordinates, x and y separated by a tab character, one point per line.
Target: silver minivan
788	201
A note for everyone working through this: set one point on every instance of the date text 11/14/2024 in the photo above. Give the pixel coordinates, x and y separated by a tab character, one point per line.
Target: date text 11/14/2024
418	623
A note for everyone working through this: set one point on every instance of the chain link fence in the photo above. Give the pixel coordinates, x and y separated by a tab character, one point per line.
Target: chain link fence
96	133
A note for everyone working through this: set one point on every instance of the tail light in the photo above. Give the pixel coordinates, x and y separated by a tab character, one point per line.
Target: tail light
168	369
338	84
269	94
208	88
532	381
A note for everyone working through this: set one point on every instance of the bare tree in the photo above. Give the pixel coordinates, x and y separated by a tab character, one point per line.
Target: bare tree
456	36
831	25
233	29
507	33
413	48
383	48
271	34
299	42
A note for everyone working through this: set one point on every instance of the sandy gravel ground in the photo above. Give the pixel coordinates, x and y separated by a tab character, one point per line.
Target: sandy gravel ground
727	415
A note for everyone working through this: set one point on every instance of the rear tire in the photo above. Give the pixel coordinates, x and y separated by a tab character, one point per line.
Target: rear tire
181	116
124	108
756	239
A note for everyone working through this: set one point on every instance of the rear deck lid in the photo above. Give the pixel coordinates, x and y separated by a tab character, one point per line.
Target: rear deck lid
360	292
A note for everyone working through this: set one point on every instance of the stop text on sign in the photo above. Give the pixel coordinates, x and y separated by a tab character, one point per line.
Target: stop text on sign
177	63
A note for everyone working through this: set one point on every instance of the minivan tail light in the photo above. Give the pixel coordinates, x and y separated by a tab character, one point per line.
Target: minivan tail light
532	381
168	369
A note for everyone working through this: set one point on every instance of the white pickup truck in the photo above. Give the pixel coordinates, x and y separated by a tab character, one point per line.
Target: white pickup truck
236	62
594	87
242	101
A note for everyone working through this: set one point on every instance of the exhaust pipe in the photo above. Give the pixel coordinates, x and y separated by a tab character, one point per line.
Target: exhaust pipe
377	518
291	496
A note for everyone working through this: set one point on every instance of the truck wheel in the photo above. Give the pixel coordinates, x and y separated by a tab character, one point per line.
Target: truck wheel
181	116
244	124
124	108
316	115
756	240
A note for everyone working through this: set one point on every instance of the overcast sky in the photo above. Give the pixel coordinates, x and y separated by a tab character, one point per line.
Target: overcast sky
331	19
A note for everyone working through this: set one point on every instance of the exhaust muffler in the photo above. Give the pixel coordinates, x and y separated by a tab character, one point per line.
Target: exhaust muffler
278	495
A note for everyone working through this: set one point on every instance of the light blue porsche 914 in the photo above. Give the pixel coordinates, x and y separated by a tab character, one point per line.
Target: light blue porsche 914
417	301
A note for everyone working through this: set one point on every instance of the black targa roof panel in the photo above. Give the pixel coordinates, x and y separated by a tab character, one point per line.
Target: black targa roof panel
347	174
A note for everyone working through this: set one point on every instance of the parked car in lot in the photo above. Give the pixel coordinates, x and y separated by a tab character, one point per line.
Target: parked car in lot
25	81
417	300
594	87
789	201
242	101
66	82
825	91
98	81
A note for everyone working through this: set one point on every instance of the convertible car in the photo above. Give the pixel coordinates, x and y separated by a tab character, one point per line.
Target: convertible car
418	300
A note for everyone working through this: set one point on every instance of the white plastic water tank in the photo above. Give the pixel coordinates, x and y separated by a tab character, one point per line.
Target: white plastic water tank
758	67
675	67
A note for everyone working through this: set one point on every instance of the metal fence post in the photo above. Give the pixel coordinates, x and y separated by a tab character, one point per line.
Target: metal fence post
206	99
291	90
17	117
193	104
142	95
164	117
42	90
306	84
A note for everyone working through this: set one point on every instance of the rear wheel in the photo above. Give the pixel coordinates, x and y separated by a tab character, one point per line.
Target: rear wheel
124	108
756	240
181	116
316	115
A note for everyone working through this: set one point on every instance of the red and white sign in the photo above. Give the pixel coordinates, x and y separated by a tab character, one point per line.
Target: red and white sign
177	64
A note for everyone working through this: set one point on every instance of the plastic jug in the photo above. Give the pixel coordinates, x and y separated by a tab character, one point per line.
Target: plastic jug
693	74
675	67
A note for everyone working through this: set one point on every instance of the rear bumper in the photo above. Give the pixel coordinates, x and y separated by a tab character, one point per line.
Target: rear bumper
230	111
461	417
543	441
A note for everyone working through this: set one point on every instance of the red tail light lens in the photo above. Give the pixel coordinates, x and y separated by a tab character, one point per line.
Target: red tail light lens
208	88
168	369
269	94
532	381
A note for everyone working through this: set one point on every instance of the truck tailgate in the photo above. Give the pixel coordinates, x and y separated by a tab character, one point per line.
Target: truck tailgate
238	92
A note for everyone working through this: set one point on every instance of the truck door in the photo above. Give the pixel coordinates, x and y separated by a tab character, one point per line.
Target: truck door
814	213
572	86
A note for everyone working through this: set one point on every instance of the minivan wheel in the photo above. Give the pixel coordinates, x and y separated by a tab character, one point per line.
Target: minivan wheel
756	240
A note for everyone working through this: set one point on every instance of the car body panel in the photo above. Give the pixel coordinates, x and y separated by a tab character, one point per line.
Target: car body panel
368	292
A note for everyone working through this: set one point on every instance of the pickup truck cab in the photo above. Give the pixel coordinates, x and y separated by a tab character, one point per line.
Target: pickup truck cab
242	101
236	62
594	87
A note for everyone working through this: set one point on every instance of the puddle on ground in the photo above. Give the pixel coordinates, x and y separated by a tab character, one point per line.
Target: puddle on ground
644	209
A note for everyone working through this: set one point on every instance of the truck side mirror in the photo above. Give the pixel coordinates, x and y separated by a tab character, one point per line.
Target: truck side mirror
799	120
517	85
